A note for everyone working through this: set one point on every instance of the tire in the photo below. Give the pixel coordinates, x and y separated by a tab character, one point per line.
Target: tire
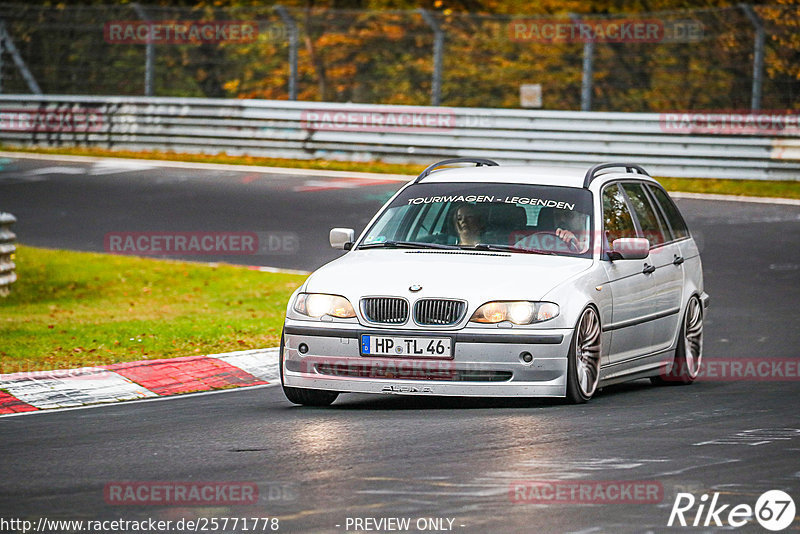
583	365
303	396
689	352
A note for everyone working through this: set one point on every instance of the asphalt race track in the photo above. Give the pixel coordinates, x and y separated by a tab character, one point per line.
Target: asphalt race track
382	457
67	205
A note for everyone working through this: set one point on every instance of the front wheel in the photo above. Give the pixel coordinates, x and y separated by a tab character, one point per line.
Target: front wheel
305	397
689	352
583	367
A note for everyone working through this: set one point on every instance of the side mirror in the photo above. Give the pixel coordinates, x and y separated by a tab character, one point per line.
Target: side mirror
342	238
630	248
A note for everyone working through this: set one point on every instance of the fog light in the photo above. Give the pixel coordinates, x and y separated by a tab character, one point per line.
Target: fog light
303	348
526	357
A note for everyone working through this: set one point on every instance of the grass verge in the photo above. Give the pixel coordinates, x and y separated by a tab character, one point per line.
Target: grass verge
749	188
70	309
755	188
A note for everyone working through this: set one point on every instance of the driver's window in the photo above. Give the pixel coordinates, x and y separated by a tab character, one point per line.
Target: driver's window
617	220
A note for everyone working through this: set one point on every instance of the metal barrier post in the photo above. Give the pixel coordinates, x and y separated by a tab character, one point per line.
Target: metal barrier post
588	75
292	27
438	52
7	249
758	56
150	54
587	69
9	46
1	61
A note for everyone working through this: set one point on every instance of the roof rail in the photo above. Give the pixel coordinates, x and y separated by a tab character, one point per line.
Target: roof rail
477	161
591	174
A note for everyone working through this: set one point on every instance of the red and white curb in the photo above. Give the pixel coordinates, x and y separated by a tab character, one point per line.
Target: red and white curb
69	388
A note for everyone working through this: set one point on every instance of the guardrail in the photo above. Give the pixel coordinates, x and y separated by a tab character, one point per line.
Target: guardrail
666	144
7	249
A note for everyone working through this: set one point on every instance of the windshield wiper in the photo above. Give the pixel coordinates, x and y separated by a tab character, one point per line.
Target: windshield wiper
407	244
508	248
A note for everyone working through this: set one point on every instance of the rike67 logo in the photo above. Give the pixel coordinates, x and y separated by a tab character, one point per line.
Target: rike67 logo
774	510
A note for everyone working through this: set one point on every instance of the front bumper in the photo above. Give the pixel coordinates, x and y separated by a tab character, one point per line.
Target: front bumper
486	362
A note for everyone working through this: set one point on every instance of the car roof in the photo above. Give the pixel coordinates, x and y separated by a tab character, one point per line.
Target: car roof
526	174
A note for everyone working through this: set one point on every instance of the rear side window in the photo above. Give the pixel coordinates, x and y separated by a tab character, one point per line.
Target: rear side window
674	217
617	220
662	219
648	220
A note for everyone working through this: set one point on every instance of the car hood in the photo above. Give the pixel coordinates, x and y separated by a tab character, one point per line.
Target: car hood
473	276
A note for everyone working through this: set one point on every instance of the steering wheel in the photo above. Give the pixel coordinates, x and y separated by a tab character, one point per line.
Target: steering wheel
572	245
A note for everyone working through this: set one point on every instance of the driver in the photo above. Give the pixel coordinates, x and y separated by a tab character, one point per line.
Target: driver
568	223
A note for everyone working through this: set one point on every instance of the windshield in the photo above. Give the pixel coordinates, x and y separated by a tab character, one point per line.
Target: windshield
487	216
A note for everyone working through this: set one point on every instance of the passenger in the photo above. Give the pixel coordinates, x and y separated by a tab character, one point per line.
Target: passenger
469	223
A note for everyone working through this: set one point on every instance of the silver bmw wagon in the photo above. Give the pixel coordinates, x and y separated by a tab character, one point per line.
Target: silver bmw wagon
490	280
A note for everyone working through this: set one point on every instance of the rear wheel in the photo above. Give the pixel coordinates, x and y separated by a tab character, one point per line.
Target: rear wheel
306	397
689	352
583	367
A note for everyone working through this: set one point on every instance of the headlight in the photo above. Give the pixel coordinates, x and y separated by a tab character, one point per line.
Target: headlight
319	304
516	311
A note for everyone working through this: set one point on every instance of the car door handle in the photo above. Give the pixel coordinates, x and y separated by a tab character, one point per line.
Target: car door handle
649	269
678	260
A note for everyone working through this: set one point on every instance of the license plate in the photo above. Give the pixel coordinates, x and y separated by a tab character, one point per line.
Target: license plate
406	347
